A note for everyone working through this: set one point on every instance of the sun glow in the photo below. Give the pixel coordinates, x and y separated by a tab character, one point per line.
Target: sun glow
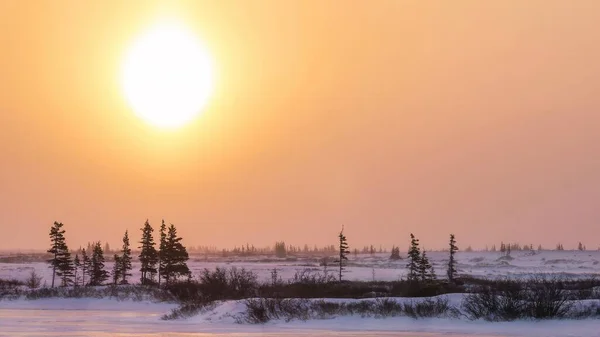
167	76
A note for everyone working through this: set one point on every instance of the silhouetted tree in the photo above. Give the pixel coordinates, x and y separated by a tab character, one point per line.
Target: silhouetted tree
451	272
280	249
395	253
175	257
148	255
116	271
426	271
125	260
162	250
98	275
34	280
76	266
343	248
414	255
61	262
85	266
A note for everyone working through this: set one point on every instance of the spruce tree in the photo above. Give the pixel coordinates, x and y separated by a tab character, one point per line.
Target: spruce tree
451	272
85	266
343	250
125	259
162	250
98	275
76	265
148	255
280	249
426	271
414	256
395	253
61	262
116	271
175	257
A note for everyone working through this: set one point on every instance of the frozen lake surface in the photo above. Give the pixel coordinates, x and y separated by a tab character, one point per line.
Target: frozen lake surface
107	323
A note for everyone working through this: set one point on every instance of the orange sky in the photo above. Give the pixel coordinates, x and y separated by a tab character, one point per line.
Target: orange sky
474	117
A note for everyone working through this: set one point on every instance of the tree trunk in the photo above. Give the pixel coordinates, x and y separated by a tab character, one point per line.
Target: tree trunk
54	269
159	270
341	266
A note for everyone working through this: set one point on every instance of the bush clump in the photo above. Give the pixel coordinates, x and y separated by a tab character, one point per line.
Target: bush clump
537	298
262	310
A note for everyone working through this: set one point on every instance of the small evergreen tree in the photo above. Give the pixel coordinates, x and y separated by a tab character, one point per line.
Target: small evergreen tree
98	275
175	257
280	249
426	271
116	271
125	259
61	262
395	253
343	250
76	266
451	272
162	250
148	255
414	255
85	266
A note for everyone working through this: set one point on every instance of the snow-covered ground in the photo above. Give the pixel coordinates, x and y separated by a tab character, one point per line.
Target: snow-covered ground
380	267
108	317
103	318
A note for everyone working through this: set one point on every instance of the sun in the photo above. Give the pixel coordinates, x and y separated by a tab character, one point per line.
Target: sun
167	76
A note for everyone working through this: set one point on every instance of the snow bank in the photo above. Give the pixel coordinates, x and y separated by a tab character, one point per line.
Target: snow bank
107	317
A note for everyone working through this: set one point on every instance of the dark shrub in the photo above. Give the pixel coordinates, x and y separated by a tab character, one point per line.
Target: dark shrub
547	298
10	289
221	284
386	307
257	311
501	301
437	307
363	308
184	311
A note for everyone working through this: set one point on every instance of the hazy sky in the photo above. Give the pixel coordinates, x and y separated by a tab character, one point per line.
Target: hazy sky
479	118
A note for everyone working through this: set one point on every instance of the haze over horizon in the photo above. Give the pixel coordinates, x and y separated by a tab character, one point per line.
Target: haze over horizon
478	118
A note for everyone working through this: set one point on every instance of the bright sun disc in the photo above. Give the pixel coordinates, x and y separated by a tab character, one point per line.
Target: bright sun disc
167	76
